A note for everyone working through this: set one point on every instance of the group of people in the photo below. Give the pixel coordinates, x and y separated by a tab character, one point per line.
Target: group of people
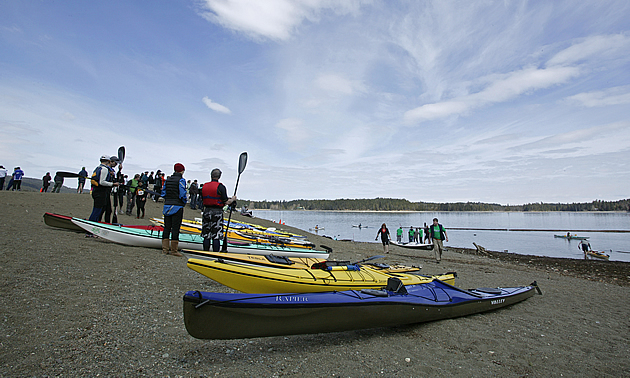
435	233
176	193
415	234
15	182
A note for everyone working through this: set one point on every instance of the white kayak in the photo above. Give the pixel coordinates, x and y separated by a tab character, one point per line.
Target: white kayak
153	239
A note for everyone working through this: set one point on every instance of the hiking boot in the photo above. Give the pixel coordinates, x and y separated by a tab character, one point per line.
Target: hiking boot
165	245
173	251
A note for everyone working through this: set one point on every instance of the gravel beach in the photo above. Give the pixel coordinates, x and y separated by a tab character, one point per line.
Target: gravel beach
76	306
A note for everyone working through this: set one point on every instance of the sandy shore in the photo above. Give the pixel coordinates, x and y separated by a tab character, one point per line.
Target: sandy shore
76	306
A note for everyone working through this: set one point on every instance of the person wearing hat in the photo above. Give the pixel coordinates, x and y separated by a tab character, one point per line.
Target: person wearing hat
174	193
214	196
102	182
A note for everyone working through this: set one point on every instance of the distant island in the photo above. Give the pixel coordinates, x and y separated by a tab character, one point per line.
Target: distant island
394	204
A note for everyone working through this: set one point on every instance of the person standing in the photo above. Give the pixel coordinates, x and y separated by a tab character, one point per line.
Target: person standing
58	182
214	196
119	192
399	233
82	176
141	200
427	236
113	161
174	193
385	237
17	179
438	234
3	176
411	234
132	185
157	187
193	189
46	182
102	182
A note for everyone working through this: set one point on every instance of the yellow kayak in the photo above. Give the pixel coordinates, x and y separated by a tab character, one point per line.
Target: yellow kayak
274	261
261	279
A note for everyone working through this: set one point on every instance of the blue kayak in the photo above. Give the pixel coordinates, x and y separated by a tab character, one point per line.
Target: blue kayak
235	316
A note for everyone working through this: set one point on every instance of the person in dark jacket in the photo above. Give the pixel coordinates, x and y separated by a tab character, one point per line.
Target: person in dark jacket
58	182
102	182
83	174
383	232
141	200
214	195
174	193
46	182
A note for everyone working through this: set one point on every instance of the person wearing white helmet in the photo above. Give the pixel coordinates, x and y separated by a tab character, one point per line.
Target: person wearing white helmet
102	182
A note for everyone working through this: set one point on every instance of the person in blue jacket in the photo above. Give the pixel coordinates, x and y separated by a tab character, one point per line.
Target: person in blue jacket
17	179
174	193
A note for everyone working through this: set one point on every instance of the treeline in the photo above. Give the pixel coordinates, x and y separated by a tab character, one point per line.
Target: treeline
394	204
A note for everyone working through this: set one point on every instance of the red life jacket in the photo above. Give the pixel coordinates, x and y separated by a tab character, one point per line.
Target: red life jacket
210	194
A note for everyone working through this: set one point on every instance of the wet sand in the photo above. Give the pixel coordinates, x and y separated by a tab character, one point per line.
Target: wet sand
76	306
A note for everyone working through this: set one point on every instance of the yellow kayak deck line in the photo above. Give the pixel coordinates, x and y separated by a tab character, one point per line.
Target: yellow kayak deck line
260	279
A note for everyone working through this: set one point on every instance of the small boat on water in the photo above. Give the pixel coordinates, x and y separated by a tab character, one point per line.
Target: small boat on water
237	316
571	237
422	246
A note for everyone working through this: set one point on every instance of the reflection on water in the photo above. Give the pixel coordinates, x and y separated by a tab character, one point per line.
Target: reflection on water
542	243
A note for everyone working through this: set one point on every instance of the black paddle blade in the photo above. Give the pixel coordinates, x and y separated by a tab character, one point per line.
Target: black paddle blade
242	162
121	153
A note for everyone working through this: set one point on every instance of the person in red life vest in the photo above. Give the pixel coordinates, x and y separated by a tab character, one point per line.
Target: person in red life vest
438	234
174	193
214	196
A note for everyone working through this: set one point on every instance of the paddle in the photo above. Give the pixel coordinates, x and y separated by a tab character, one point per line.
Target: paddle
121	158
121	154
242	162
369	258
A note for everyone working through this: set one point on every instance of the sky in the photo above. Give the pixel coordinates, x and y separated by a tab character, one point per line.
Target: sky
508	102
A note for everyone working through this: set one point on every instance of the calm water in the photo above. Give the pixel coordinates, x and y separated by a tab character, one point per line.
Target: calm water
542	243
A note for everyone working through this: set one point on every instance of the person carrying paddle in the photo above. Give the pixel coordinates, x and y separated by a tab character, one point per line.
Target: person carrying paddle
102	182
58	182
385	237
214	196
174	193
438	234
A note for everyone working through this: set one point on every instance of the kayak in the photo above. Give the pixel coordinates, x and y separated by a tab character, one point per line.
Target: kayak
262	279
64	221
237	316
274	261
596	255
153	239
414	245
570	237
243	234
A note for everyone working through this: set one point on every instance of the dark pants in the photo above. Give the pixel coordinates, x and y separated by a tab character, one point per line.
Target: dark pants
17	185
172	224
102	204
2	183
140	207
131	199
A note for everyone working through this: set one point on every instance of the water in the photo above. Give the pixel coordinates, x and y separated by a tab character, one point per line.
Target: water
541	243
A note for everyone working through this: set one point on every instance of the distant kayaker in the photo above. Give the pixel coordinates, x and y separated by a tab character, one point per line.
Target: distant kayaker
438	234
214	196
174	193
385	237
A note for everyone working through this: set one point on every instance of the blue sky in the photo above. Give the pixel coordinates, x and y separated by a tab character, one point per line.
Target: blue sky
507	102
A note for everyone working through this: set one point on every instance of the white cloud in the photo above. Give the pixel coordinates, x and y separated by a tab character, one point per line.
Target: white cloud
272	19
295	132
216	107
610	96
592	46
502	88
335	83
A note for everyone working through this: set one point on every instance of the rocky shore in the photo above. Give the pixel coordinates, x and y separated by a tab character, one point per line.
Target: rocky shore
76	306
